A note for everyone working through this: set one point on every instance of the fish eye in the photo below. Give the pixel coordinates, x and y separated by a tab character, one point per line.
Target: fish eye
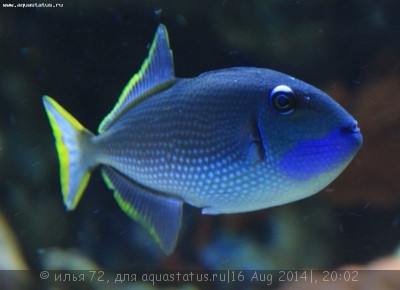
283	99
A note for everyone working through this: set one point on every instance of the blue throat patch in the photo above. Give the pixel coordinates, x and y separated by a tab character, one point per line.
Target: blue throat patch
313	157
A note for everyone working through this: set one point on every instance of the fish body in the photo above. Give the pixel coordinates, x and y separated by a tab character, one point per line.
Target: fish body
228	141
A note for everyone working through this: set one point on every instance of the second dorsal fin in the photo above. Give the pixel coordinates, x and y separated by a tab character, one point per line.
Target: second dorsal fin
157	71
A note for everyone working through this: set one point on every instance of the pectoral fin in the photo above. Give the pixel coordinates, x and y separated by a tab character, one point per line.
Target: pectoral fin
159	214
257	146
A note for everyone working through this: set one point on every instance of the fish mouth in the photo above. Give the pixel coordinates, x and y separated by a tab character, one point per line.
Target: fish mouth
353	132
352	127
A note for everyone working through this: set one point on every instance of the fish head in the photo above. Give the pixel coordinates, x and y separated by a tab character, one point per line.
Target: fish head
308	136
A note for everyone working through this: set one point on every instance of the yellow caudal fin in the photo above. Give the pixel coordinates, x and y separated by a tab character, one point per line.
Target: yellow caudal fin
72	141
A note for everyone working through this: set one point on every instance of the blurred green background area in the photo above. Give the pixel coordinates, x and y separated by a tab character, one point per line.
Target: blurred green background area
83	55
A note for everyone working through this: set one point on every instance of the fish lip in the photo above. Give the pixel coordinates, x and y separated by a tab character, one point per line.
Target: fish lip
353	132
352	127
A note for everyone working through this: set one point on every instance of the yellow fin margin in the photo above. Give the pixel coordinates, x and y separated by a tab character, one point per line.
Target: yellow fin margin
70	137
156	72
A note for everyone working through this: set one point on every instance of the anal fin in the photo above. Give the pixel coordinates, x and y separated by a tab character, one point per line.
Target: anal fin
159	214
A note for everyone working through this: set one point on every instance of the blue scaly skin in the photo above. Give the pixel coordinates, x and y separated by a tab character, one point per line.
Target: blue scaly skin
217	143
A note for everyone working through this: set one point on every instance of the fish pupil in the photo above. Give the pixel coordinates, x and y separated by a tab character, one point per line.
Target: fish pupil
282	101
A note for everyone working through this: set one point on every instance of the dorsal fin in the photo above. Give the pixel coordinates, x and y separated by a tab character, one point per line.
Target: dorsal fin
157	71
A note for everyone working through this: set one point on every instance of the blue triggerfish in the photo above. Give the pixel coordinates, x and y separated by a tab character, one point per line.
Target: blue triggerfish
227	141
